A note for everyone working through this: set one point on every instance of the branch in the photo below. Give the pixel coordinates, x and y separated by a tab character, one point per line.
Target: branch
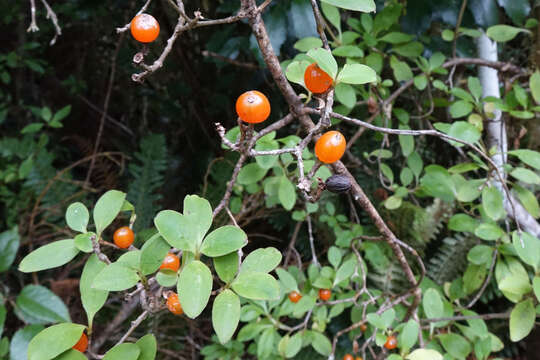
33	25
52	15
128	25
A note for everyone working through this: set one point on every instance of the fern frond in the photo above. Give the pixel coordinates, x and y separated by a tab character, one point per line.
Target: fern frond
147	172
450	260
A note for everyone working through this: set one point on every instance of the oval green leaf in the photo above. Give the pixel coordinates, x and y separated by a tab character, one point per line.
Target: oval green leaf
54	340
49	256
225	315
223	241
256	286
77	217
92	299
116	277
107	208
39	305
194	288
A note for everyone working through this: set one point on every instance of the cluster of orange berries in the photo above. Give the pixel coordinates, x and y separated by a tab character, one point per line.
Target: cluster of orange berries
253	107
123	238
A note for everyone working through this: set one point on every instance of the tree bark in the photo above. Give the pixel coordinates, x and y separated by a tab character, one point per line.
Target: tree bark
496	136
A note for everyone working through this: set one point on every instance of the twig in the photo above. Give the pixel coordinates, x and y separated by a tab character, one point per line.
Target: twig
454	40
134	325
52	15
229	60
33	25
105	108
128	25
230	184
486	281
290	248
311	242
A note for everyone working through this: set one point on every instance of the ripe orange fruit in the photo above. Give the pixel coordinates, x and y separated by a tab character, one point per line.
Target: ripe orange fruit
363	327
173	304
82	344
123	237
325	294
295	296
330	147
348	357
170	262
316	79
391	342
253	107
144	28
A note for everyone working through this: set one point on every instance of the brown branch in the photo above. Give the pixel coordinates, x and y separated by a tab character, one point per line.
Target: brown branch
105	108
230	61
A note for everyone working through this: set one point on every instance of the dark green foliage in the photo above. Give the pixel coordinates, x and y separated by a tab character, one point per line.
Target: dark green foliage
450	260
147	171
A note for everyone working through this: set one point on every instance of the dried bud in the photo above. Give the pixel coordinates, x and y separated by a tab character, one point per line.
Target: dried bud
372	105
380	194
338	184
138	57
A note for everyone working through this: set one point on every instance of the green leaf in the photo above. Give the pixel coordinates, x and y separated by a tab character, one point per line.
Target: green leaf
226	266
503	33
251	173
62	113
286	193
295	71
198	212
334	256
32	128
261	260
420	82
528	200
147	346
357	74
348	51
77	217
167	279
18	348
529	157
325	60
406	142
456	345
265	343
473	278
412	49
396	38
437	182
525	175
424	354
345	271
287	280
332	14
487	231
305	304
346	95
46	114
529	252
460	108
480	254
321	344
534	85
173	227
522	320
49	256
223	241
408	335
308	43
107	208
464	131
289	346
54	340
116	277
266	161
433	304
225	315
536	287
492	202
402	71
123	351
9	244
153	252
39	305
256	286
355	5
83	242
194	288
92	299
71	354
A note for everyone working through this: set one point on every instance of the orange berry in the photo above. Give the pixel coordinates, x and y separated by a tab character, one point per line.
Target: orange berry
253	107
363	327
325	294
330	147
82	344
316	79
358	358
144	28
170	262
123	237
295	296
173	304
391	342
348	357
